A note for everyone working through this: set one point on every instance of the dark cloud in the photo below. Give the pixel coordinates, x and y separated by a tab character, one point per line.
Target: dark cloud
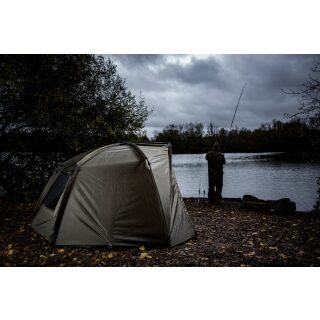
183	88
207	72
139	60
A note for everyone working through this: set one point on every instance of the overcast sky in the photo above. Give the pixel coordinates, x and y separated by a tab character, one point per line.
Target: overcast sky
206	88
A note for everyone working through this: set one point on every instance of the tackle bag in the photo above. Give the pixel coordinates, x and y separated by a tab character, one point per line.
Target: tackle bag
275	206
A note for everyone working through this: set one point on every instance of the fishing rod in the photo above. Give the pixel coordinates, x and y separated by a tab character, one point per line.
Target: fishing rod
234	115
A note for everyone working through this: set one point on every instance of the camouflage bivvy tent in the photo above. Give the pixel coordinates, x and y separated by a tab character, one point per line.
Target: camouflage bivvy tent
117	195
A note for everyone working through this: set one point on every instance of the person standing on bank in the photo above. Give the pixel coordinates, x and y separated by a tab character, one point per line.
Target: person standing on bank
216	161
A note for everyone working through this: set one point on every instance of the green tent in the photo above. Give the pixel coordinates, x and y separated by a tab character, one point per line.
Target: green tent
117	195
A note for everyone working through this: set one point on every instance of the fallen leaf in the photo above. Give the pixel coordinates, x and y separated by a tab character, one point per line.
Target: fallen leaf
142	248
10	252
249	254
143	255
9	246
60	250
250	242
221	250
283	256
110	255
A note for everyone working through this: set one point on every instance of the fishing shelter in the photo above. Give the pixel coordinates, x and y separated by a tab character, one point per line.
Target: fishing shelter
117	195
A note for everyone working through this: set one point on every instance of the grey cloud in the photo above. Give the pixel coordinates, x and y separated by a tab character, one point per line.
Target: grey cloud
139	60
196	72
207	88
272	71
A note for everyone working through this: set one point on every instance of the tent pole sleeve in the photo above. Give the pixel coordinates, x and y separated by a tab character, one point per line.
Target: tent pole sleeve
137	149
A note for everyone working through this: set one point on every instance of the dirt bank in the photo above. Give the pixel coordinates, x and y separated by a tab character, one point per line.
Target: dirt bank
227	236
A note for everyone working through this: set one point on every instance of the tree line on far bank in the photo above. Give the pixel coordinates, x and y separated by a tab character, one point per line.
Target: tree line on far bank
296	137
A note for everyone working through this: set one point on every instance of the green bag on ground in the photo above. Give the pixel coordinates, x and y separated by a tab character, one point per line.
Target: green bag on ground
275	206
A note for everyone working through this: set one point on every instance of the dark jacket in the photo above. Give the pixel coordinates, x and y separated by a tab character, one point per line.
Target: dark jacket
216	161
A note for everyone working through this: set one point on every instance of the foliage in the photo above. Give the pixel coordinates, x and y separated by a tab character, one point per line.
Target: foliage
61	104
185	138
293	137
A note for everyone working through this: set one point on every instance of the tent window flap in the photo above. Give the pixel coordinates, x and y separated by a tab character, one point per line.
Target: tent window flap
56	190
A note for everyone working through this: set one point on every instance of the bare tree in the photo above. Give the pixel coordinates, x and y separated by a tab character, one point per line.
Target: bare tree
309	97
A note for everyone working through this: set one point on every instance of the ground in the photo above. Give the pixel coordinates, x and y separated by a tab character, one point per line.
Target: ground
226	236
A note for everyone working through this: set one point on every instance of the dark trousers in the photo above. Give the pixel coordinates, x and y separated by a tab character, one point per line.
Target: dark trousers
215	188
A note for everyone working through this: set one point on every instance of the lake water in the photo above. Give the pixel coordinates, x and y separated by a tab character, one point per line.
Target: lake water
257	174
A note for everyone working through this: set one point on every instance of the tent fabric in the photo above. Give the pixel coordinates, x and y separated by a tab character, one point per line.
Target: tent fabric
117	195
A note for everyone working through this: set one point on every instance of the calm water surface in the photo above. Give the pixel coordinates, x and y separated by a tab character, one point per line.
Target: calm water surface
251	173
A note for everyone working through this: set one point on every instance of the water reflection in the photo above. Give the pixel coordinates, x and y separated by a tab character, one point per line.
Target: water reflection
259	174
